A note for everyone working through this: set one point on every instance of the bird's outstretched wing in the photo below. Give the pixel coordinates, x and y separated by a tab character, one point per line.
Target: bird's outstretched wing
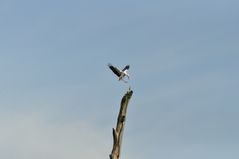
115	70
125	68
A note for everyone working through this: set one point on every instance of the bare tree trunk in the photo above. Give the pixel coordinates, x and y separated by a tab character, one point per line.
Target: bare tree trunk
118	132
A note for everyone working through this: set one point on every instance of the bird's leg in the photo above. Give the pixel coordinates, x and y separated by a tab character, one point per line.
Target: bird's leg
127	76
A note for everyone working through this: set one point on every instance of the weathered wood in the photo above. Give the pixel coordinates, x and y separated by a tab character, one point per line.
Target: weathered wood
118	131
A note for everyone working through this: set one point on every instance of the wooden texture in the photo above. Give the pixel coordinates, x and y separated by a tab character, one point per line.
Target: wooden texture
118	131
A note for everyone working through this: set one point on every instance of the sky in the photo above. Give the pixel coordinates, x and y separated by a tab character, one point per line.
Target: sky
59	100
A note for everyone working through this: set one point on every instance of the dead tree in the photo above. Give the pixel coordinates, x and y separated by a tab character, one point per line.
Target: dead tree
118	131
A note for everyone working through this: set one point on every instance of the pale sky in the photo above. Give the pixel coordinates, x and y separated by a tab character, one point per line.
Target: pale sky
58	99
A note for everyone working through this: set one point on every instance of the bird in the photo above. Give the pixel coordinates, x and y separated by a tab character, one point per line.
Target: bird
120	73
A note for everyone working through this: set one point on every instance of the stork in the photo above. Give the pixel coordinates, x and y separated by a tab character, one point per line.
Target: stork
120	73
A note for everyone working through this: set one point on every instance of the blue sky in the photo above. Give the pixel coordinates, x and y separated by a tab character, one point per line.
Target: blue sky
59	100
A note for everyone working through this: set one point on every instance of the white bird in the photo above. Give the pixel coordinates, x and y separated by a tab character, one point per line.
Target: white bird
120	73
